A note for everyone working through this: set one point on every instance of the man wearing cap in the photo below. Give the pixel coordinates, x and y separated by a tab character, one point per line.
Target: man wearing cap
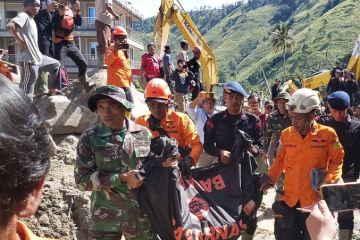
337	67
219	131
348	130
184	45
278	120
107	156
32	61
195	68
336	83
151	65
168	65
164	121
351	87
310	154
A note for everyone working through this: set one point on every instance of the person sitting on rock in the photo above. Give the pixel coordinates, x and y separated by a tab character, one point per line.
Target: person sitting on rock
25	161
107	156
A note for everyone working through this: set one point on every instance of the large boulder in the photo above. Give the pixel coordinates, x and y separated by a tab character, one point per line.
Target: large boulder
65	116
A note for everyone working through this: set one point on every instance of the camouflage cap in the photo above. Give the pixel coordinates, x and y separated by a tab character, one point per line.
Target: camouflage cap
109	91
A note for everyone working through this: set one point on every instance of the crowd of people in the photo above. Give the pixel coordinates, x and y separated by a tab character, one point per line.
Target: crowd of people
299	144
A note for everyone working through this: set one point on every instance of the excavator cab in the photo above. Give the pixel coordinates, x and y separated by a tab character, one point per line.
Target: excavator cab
170	14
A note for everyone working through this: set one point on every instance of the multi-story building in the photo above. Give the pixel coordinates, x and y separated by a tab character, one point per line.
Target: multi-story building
85	35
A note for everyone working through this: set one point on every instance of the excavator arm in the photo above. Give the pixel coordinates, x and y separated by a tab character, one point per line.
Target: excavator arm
171	13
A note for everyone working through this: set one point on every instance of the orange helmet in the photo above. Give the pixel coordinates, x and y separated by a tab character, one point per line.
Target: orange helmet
157	89
197	49
119	30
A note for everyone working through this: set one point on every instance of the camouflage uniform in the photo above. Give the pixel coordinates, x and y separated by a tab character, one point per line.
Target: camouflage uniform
102	154
276	123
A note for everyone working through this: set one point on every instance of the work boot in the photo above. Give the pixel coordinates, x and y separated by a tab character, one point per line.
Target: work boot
84	81
345	234
100	57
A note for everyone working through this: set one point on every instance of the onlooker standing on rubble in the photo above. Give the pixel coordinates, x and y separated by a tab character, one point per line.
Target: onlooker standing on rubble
278	120
275	89
168	65
195	68
44	26
25	161
107	156
117	59
336	83
104	15
151	66
24	30
311	155
351	88
164	121
64	44
348	130
183	79
337	67
184	46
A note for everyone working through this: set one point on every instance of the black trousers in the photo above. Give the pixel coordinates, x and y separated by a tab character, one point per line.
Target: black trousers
46	47
69	49
297	231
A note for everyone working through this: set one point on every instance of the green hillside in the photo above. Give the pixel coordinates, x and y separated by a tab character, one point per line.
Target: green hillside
239	35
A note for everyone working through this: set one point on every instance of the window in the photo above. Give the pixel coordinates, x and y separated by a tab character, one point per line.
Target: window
92	49
91	15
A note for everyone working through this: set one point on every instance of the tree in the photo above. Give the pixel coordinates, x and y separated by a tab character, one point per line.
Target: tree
283	40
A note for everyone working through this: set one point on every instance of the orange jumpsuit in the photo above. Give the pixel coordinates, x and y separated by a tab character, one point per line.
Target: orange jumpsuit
5	71
180	127
297	156
119	71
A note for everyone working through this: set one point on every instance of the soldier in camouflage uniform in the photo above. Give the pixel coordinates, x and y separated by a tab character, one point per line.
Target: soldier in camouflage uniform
107	156
278	120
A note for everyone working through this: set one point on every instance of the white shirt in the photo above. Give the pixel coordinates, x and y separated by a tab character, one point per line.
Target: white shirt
199	116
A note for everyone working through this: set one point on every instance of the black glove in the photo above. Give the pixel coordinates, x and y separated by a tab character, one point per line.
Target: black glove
264	182
185	165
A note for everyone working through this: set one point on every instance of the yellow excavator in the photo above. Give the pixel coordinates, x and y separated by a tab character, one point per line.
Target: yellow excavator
321	79
170	14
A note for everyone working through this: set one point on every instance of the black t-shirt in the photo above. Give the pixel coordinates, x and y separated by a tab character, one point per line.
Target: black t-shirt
44	21
195	68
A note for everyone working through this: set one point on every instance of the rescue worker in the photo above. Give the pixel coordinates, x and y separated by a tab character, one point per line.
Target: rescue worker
117	59
107	156
219	131
337	67
278	120
25	161
195	68
348	130
351	88
151	65
310	154
254	105
162	120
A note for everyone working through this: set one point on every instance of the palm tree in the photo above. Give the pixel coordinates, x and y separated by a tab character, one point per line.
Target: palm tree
282	40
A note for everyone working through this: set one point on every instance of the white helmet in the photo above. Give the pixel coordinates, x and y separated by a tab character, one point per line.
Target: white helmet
303	100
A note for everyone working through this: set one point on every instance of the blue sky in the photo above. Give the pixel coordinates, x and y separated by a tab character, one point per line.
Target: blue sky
150	7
